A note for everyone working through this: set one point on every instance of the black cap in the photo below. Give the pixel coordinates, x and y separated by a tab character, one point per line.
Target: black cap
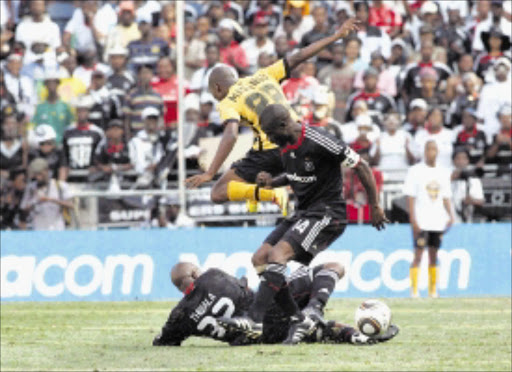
497	3
115	123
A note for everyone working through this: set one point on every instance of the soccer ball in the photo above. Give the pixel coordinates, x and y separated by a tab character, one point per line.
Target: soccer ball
373	317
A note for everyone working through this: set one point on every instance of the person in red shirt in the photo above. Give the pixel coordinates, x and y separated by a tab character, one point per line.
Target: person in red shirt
385	18
166	84
231	53
297	82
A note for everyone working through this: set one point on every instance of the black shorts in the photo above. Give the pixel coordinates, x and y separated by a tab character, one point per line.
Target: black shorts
309	232
429	239
255	162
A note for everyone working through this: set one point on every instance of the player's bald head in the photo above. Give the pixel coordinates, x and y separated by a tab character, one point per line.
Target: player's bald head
183	274
220	80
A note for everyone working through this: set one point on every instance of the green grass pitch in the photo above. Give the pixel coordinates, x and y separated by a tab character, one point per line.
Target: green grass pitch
441	334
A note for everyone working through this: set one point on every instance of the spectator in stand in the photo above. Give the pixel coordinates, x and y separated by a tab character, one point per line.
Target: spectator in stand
320	113
434	131
429	81
353	58
31	27
282	47
231	53
495	43
398	59
112	156
384	17
210	117
70	87
452	36
7	101
20	87
339	79
120	82
496	20
297	83
13	149
417	115
428	15
299	16
105	20
148	49
126	29
467	190
378	103
45	198
411	85
258	43
362	132
468	98
290	24
10	200
272	12
81	33
53	111
386	82
205	31
454	84
266	59
320	30
471	137
166	85
106	105
170	215
393	151
145	148
80	140
358	208
140	97
494	96
89	65
45	137
199	82
195	56
500	151
372	38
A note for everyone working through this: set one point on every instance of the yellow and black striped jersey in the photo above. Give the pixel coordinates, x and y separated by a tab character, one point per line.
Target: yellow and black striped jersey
248	97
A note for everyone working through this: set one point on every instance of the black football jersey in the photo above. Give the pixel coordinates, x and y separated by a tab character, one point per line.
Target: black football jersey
313	170
107	153
214	294
79	146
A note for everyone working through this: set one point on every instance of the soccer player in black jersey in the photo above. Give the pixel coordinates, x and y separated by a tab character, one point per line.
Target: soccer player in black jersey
311	159
214	293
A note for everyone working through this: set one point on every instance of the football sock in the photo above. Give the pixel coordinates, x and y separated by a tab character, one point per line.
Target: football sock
238	191
413	273
286	302
432	279
322	287
272	281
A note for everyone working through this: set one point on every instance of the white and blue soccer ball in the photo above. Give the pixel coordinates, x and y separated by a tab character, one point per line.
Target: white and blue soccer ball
373	317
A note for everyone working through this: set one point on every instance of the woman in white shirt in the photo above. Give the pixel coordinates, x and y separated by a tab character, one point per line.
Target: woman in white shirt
392	150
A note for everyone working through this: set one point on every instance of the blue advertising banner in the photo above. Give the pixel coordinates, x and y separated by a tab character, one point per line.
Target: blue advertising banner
475	260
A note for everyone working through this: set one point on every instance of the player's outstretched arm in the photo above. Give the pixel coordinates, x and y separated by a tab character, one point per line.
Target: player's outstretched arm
227	143
365	175
315	48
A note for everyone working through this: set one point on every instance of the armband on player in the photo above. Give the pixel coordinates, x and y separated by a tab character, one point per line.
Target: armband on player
352	158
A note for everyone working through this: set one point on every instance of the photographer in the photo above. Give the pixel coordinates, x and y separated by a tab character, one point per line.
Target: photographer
467	191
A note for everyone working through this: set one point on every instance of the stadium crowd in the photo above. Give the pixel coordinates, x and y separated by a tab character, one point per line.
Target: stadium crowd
89	90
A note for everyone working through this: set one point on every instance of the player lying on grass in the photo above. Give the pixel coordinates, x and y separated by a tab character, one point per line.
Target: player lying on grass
213	293
311	159
241	102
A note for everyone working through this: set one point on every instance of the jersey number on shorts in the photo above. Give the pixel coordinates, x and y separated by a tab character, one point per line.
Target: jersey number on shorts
223	307
301	226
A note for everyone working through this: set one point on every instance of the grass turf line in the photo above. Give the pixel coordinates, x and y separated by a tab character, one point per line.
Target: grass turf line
441	334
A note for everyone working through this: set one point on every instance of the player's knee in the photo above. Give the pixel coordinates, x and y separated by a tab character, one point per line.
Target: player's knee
218	195
337	267
281	253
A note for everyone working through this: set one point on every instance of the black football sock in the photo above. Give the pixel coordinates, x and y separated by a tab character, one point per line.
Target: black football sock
272	280
322	287
286	302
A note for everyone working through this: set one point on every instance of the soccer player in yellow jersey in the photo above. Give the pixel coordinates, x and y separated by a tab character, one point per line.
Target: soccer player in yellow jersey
240	103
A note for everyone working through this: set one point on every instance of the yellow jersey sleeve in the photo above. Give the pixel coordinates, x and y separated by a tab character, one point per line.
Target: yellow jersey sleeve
278	70
227	111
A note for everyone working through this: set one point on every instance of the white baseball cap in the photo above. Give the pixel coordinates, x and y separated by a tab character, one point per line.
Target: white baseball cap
44	132
364	120
418	103
502	61
320	97
227	23
428	7
85	101
52	74
192	102
150	111
118	50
